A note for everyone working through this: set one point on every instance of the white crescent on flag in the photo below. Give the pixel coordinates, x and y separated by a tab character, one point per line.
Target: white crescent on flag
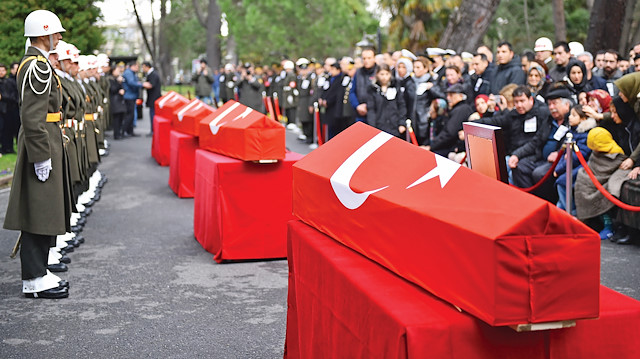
342	176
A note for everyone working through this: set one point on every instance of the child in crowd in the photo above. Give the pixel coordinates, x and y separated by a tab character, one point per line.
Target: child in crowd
580	125
386	108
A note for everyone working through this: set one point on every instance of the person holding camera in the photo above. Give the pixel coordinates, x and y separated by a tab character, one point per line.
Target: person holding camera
203	79
250	88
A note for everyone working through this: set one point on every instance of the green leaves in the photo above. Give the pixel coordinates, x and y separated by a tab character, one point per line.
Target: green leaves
78	17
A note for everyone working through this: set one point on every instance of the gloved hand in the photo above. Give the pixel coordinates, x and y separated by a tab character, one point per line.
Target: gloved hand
42	169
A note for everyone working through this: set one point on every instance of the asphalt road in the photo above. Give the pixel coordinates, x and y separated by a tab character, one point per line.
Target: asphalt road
142	286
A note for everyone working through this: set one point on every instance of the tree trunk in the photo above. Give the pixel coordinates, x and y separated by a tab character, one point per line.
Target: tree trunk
558	19
605	25
468	24
144	33
625	37
164	52
213	34
232	49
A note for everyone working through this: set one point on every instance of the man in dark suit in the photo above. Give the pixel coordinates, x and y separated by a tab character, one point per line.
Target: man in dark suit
152	84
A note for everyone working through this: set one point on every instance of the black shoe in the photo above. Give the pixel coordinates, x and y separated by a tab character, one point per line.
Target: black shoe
80	239
87	211
81	221
133	134
117	138
74	242
65	260
63	283
149	134
625	240
58	267
53	293
76	229
68	249
620	231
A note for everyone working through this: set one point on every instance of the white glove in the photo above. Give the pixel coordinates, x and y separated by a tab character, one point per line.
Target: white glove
42	169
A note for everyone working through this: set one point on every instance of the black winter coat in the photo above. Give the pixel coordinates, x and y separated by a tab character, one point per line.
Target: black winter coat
117	100
447	140
510	73
518	141
386	111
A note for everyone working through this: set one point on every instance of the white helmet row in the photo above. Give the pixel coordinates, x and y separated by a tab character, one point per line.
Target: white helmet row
42	23
67	51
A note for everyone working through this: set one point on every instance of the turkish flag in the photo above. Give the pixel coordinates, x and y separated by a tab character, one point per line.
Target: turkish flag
241	132
500	254
167	105
187	118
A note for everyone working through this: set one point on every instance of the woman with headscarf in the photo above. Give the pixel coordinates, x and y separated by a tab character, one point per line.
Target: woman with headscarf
577	83
537	81
598	105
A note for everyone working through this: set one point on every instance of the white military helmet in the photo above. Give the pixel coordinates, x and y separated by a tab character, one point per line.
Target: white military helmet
103	60
92	62
83	63
288	65
543	44
42	23
576	48
64	51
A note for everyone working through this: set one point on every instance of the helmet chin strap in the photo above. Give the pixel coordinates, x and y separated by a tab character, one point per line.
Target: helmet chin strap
51	46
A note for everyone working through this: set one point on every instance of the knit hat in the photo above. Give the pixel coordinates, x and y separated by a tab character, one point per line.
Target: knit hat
601	140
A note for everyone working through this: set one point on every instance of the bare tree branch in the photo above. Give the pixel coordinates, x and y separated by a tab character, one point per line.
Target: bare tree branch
144	34
201	19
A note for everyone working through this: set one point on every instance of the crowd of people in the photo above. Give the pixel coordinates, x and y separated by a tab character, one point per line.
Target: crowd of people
537	98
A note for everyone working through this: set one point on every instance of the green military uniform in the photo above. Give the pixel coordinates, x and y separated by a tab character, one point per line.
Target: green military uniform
105	85
41	210
90	128
99	121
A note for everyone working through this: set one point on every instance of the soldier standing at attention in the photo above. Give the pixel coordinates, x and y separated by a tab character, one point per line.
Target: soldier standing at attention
40	200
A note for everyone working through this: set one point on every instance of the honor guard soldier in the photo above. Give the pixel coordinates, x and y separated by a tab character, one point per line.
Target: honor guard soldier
305	84
40	202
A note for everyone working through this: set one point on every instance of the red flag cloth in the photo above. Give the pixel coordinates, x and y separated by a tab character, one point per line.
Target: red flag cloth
181	167
160	143
241	208
167	105
498	253
342	305
187	118
240	132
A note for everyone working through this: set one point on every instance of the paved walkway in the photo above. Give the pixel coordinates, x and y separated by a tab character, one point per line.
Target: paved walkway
142	286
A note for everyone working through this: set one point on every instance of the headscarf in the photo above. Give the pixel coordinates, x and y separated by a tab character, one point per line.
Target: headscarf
579	86
601	140
408	64
603	98
441	106
543	76
629	85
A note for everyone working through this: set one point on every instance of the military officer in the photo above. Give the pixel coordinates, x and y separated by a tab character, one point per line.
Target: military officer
40	202
290	92
305	84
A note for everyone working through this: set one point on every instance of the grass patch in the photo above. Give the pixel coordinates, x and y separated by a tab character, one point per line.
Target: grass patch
7	164
187	91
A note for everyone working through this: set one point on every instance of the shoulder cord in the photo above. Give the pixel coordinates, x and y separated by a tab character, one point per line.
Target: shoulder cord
33	70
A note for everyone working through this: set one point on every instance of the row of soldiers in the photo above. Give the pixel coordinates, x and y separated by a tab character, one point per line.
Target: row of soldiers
292	89
64	111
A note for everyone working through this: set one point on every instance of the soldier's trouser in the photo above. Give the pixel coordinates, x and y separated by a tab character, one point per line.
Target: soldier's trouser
291	115
34	254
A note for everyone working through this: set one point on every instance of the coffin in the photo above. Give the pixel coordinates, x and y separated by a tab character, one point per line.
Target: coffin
240	132
498	253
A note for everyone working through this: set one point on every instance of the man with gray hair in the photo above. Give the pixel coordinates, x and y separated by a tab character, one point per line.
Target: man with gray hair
595	81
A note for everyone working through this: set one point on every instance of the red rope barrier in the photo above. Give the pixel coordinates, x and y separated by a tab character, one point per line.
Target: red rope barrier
319	129
546	176
602	190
